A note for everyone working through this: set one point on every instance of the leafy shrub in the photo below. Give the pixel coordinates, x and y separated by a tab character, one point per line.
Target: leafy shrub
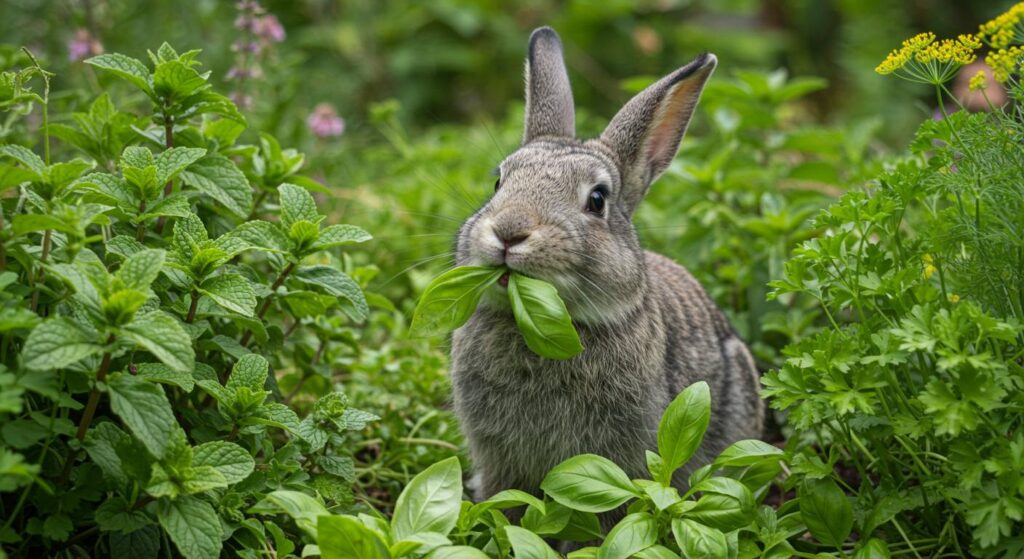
915	385
159	288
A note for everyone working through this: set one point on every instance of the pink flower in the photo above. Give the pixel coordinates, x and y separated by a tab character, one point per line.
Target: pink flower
82	46
324	122
269	29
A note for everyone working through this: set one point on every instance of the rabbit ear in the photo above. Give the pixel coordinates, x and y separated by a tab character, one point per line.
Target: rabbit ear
647	130
549	106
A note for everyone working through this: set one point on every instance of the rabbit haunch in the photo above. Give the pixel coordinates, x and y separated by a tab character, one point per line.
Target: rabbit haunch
648	327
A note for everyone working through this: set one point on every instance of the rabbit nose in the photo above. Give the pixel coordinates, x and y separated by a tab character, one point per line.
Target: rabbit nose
511	239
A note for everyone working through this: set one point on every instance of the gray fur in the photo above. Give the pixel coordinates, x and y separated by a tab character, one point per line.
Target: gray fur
648	327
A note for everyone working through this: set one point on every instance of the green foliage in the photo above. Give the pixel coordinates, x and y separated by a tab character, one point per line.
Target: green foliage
715	518
451	298
167	259
914	383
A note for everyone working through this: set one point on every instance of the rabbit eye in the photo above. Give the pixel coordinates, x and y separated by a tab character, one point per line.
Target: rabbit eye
497	185
595	202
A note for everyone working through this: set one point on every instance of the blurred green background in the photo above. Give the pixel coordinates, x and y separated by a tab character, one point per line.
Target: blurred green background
450	61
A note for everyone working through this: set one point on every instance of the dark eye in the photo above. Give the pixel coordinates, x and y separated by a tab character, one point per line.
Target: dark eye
497	185
595	202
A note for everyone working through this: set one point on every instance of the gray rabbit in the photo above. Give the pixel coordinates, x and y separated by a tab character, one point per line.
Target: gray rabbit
562	212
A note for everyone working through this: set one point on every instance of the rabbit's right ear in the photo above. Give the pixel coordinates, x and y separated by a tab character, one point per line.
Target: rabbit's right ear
549	105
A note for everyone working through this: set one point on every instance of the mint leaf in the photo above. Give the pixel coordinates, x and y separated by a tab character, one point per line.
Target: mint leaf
250	371
26	157
296	205
193	526
341	466
219	178
174	160
144	409
162	335
115	514
336	235
542	318
449	300
200	479
125	67
232	292
189	235
258	234
176	80
175	205
57	343
231	460
337	283
140	269
158	372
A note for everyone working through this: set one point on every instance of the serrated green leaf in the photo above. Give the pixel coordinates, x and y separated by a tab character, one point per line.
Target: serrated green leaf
217	177
189	235
125	67
144	409
174	160
139	270
258	234
175	205
337	283
250	371
337	235
296	205
32	223
176	80
57	343
341	466
193	526
231	460
542	318
232	292
162	335
32	162
115	514
158	372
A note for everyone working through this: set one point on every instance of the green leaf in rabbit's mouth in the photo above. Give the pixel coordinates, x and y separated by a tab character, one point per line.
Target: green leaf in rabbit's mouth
540	314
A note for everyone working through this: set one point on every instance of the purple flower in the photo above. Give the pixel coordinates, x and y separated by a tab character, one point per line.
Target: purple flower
269	29
324	122
82	46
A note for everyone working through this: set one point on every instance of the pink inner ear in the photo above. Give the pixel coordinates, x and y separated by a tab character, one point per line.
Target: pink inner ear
670	123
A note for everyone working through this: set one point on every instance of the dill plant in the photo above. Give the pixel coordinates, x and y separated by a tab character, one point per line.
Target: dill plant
914	388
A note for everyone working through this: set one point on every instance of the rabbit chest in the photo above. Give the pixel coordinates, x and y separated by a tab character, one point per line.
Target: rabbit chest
523	414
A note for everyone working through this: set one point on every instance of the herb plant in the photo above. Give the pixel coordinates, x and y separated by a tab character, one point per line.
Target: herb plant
450	300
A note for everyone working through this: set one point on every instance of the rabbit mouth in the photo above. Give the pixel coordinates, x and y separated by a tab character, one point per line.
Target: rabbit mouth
503	280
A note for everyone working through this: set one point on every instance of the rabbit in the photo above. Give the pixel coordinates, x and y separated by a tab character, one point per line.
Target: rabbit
561	212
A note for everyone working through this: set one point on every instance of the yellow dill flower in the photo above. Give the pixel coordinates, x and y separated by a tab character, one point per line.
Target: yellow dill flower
1004	62
923	59
1006	28
979	81
953	298
929	267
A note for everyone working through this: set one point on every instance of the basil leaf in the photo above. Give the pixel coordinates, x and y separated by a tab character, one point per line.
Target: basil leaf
451	298
542	318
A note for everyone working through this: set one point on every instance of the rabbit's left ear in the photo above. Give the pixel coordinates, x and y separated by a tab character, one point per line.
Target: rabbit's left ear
549	106
647	130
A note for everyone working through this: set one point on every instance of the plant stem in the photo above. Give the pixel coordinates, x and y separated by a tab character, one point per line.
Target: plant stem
168	144
192	308
42	264
90	411
266	302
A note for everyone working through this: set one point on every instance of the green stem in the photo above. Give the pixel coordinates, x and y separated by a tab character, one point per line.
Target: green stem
266	302
192	308
42	264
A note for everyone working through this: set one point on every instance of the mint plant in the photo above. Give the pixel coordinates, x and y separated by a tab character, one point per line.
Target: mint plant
149	281
451	298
